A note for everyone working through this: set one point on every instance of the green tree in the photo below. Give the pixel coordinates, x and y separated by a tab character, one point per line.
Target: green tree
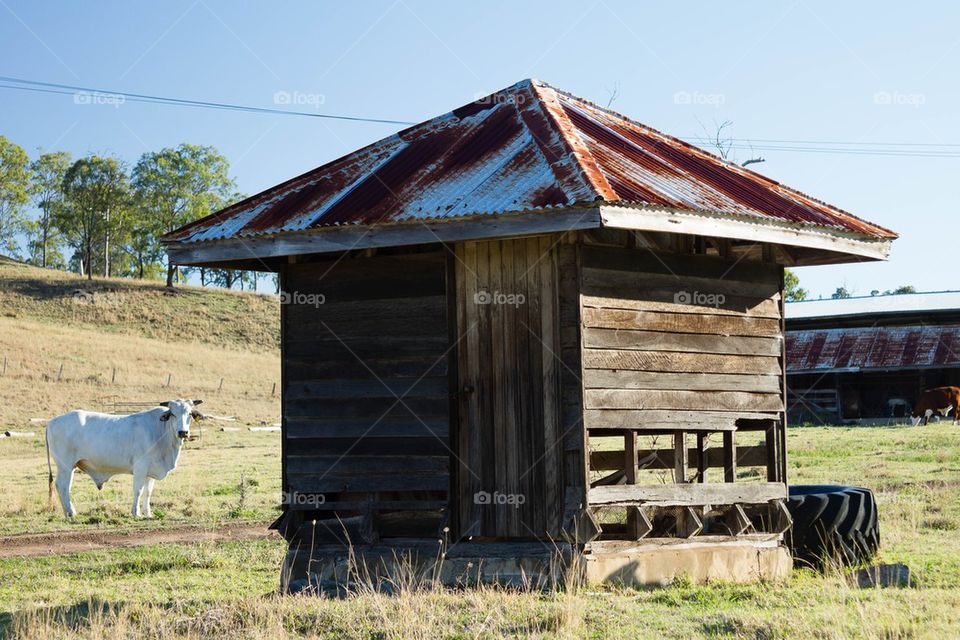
46	174
175	186
841	293
907	288
791	287
14	193
96	199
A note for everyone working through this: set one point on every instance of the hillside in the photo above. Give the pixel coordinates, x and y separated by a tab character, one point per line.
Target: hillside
66	343
238	320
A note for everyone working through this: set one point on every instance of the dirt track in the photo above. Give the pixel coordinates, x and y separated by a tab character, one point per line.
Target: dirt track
62	542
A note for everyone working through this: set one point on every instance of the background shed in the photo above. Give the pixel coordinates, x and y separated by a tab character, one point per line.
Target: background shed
869	358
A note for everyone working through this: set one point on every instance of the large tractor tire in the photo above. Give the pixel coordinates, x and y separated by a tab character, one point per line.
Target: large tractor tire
833	525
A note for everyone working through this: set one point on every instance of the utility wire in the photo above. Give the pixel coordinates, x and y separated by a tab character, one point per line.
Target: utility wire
899	149
31	85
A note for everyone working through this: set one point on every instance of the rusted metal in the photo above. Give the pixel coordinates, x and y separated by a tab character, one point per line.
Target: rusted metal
524	148
872	348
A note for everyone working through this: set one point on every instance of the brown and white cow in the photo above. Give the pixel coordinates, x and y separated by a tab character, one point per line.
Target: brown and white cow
940	400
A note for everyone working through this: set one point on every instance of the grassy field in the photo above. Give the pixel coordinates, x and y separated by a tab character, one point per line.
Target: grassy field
133	343
215	589
126	344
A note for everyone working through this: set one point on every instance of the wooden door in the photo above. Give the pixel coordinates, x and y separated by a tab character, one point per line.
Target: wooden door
509	456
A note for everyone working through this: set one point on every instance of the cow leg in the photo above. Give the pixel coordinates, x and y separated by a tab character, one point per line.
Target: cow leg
139	481
148	493
64	482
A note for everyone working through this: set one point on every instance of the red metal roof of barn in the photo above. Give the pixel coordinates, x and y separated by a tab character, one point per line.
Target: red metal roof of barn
873	348
528	147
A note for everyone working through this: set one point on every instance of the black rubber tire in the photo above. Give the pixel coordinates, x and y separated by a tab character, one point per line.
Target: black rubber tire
833	525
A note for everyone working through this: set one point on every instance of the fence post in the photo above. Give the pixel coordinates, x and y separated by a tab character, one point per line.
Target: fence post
220	388
168	378
113	377
60	372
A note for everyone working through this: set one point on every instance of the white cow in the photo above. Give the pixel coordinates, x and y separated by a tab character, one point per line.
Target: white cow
145	444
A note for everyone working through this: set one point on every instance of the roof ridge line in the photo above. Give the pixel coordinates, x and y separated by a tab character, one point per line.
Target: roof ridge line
584	158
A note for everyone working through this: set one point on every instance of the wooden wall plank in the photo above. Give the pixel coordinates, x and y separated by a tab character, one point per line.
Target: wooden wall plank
689	494
678	362
659	418
597	313
685	342
616	379
703	400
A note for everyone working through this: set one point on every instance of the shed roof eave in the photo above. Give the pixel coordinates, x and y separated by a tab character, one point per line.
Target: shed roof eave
394	234
842	246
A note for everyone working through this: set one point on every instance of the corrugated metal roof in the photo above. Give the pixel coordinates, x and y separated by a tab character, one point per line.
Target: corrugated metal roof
872	348
900	303
524	148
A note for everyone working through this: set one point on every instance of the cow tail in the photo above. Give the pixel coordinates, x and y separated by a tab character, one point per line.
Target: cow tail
46	439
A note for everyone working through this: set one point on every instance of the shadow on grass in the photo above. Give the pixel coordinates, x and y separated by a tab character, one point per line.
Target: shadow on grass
14	623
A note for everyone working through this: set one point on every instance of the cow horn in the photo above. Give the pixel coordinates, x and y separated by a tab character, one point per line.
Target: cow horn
164	404
166	416
196	402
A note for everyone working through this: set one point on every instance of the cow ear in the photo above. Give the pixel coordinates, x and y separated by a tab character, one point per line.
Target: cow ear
166	416
196	402
196	415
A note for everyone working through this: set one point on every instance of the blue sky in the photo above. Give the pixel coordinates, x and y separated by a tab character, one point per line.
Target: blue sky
804	70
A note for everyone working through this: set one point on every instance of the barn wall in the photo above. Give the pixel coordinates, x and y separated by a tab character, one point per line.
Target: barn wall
381	464
654	359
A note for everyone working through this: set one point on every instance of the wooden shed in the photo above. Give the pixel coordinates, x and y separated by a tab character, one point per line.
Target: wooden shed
527	328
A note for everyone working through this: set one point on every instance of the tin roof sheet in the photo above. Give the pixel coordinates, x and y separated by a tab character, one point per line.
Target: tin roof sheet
527	147
872	348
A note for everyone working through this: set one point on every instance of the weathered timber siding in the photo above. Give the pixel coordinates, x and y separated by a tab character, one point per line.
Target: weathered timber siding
655	357
510	435
366	393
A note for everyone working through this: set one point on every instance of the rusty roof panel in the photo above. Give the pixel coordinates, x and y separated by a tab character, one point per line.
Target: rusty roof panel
873	348
526	147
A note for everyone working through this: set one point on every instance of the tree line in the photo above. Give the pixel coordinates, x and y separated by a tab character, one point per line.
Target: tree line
97	216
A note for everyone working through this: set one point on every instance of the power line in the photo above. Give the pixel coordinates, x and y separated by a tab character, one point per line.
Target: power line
53	87
865	143
870	148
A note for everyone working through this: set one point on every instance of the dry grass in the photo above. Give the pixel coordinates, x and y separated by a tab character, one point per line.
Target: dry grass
228	589
238	320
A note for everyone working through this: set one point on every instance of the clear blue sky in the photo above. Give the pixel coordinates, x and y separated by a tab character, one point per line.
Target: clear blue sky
804	70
